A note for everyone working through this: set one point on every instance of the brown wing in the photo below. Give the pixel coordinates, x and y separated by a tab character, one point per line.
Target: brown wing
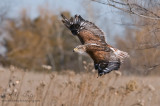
100	53
87	31
105	60
86	36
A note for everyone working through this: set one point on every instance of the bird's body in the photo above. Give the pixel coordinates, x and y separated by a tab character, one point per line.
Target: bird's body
105	57
99	56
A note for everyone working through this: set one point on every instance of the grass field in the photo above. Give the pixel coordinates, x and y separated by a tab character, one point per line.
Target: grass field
23	88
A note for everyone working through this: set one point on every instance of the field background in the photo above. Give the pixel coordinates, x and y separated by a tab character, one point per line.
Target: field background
38	67
70	89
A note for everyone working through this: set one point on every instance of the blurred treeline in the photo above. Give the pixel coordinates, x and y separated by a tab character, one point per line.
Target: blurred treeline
41	41
143	45
46	41
142	38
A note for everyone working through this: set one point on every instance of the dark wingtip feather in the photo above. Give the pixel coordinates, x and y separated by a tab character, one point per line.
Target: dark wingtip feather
63	21
104	68
80	18
74	23
64	18
75	15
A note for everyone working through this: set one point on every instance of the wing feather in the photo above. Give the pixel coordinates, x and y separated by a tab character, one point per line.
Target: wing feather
77	24
106	58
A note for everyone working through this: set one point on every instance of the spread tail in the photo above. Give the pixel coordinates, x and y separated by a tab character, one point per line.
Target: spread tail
120	54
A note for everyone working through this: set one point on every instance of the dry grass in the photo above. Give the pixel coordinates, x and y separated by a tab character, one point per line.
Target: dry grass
22	88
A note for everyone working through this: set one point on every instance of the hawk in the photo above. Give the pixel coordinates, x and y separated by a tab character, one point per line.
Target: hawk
106	58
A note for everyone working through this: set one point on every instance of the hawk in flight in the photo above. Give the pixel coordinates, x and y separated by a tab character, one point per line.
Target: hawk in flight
106	58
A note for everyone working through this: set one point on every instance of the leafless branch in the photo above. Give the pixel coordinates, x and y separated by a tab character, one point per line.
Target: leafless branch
149	69
148	47
130	7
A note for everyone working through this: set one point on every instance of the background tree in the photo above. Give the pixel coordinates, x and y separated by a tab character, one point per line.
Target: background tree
141	35
43	40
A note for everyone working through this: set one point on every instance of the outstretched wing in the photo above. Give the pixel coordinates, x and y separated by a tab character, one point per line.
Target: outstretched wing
87	31
106	58
106	67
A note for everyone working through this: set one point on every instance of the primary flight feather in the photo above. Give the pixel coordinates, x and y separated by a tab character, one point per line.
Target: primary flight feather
105	57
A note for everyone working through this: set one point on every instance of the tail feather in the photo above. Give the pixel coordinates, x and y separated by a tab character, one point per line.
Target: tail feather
120	54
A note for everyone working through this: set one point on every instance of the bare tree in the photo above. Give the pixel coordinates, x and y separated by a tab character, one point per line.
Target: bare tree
134	7
141	41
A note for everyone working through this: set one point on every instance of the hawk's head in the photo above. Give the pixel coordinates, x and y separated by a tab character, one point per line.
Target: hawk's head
81	49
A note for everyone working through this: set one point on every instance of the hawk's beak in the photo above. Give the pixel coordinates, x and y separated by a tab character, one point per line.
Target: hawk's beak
75	49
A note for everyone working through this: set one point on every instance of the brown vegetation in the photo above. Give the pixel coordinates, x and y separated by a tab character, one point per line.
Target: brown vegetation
21	88
44	44
43	40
